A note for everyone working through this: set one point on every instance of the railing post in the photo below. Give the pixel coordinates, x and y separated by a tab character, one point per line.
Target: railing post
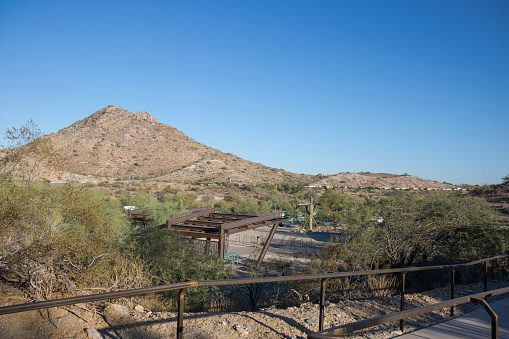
485	276
493	268
322	303
453	281
493	316
180	317
402	300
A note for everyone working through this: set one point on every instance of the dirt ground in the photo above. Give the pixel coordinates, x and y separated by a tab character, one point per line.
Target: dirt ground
132	318
128	319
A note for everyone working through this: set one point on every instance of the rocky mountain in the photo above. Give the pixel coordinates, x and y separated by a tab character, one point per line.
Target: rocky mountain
380	181
113	140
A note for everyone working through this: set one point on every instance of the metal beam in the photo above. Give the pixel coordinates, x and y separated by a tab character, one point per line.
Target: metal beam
252	220
197	228
188	217
267	244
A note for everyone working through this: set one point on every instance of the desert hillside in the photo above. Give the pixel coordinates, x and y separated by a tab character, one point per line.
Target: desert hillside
381	181
113	140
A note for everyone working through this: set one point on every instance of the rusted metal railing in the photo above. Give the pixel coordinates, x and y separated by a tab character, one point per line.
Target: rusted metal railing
338	331
323	278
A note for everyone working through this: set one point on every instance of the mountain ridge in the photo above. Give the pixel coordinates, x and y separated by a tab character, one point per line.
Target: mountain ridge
115	140
380	181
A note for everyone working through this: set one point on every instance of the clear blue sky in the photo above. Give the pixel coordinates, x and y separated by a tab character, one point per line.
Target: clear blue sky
308	86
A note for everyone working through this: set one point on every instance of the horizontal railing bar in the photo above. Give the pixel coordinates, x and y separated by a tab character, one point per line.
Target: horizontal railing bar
484	260
94	297
327	275
333	332
190	226
176	286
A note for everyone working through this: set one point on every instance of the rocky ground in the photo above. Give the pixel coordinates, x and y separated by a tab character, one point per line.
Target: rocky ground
129	319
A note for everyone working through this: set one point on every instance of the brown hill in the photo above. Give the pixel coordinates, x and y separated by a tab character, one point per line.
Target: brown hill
113	140
381	181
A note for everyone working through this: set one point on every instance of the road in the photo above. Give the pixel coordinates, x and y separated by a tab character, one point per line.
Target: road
285	243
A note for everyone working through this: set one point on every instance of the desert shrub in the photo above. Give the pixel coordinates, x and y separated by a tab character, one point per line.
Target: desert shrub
252	206
420	229
62	239
292	188
185	200
174	259
266	186
405	229
166	210
223	206
57	239
248	187
140	199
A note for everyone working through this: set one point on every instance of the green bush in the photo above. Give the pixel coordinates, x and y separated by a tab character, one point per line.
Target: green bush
58	239
174	259
438	227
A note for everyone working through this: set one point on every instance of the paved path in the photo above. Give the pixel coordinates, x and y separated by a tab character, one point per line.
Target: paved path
476	324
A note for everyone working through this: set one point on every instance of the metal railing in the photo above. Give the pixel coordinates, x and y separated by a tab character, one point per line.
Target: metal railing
183	286
479	298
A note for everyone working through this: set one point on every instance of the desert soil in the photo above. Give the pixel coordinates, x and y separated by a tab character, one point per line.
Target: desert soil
128	319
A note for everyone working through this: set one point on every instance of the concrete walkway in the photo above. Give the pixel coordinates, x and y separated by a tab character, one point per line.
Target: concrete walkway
476	324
